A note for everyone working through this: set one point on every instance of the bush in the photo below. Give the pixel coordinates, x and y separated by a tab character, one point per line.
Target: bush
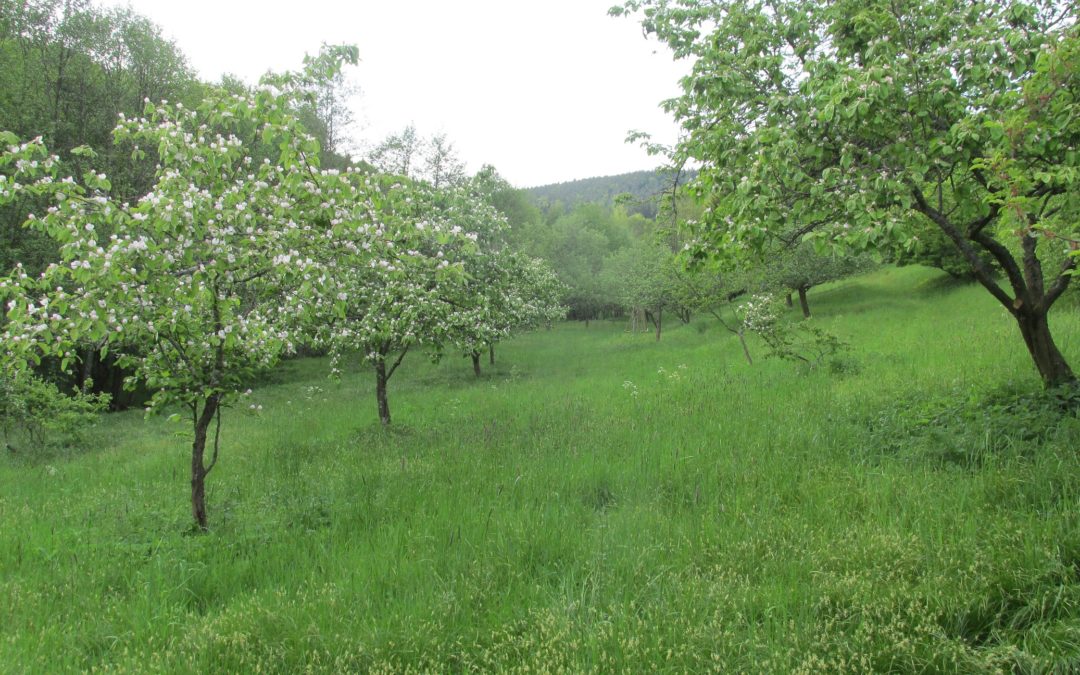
35	414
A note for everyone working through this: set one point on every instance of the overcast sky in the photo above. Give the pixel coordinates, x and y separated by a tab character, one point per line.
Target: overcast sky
545	90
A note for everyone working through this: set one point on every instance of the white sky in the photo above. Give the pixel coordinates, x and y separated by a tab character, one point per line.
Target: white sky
544	90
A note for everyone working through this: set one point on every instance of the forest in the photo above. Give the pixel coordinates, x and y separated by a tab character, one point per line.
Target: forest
800	400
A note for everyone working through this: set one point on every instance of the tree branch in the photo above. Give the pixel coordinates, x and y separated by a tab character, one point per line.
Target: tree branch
397	363
982	271
1059	285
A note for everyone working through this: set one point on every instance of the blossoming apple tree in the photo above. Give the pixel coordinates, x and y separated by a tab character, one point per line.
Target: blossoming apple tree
386	305
212	275
503	290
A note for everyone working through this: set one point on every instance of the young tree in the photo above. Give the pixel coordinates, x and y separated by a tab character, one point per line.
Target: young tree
209	276
643	278
706	289
845	122
332	108
404	297
505	291
798	268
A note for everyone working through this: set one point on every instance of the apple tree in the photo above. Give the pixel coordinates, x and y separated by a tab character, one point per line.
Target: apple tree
854	123
210	276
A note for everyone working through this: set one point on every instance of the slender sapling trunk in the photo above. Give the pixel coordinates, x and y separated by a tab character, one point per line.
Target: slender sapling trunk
199	468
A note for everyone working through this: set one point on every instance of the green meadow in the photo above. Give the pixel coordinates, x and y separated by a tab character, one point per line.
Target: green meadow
597	501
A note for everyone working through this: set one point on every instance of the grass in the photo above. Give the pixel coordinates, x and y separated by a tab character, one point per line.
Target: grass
597	501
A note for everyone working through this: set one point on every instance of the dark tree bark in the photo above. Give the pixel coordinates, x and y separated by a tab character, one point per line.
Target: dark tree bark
788	300
476	363
1031	297
1051	364
381	378
803	303
491	353
199	468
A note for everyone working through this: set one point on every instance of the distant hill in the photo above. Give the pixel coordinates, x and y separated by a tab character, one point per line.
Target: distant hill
645	187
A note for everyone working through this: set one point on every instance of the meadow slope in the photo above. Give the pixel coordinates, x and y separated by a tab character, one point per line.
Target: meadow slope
597	501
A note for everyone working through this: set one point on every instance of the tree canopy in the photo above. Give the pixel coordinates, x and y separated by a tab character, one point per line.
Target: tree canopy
852	124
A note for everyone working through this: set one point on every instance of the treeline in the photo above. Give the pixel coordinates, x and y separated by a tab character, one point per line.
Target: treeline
620	264
638	192
68	70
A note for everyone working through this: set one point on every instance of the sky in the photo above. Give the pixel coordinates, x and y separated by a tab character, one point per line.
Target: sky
544	90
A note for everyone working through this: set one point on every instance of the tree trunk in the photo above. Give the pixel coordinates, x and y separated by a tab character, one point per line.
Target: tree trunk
745	350
88	370
788	300
1052	366
659	320
803	303
476	363
380	392
491	353
199	469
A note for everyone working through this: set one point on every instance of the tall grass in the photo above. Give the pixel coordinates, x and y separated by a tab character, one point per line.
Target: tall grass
597	501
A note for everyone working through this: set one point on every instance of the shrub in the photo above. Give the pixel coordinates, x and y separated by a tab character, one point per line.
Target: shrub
35	414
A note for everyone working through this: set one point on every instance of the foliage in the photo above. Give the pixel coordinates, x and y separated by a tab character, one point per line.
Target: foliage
929	246
211	275
969	430
67	69
802	342
36	412
847	122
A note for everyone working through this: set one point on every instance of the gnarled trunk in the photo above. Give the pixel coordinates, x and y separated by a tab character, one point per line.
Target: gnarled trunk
1052	366
476	363
1033	294
199	468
